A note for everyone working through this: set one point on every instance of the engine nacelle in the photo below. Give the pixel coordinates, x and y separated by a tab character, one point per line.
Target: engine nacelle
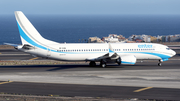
128	59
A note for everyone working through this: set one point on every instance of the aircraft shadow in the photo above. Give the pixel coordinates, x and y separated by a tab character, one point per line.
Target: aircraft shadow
59	67
85	67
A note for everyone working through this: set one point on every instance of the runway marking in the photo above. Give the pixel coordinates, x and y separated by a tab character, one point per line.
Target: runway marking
142	89
34	58
5	82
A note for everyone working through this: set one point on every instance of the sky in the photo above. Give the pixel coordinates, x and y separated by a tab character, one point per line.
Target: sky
92	7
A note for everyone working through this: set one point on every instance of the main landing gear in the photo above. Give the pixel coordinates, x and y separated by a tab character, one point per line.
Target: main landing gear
118	61
159	64
92	64
103	63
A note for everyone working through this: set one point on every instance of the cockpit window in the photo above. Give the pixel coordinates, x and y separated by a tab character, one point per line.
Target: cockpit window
168	48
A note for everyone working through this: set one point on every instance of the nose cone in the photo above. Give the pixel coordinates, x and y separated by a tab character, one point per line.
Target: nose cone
173	53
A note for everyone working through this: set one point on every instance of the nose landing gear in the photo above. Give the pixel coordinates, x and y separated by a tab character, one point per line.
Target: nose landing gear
159	64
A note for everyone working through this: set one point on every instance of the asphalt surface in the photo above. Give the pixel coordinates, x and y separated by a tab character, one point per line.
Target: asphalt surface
69	90
13	54
144	80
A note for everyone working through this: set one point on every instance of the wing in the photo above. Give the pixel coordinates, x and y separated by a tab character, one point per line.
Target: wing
98	58
110	55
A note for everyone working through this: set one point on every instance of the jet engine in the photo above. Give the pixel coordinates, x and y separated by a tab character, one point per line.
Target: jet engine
128	59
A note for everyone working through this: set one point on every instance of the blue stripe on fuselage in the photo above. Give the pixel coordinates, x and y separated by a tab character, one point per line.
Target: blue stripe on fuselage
124	62
163	56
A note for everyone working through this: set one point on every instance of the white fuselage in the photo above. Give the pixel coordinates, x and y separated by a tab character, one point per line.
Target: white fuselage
89	51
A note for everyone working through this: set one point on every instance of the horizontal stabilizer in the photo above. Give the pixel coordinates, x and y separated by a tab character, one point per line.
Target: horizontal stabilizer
15	45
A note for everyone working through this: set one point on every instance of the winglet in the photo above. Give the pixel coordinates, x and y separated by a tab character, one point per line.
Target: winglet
111	52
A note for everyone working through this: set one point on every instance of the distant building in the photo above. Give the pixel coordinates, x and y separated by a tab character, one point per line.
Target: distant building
174	38
140	38
159	38
167	38
104	39
170	38
153	39
130	41
121	38
132	38
114	38
94	40
163	38
146	38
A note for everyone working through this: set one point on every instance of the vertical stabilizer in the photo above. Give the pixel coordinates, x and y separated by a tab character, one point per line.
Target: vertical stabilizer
28	33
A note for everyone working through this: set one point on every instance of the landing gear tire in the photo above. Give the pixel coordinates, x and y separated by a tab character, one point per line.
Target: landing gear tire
103	63
92	64
159	64
118	61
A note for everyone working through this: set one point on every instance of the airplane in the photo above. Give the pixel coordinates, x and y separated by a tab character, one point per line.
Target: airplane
120	53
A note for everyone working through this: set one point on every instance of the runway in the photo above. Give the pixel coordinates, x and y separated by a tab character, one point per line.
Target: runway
144	80
72	90
13	54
